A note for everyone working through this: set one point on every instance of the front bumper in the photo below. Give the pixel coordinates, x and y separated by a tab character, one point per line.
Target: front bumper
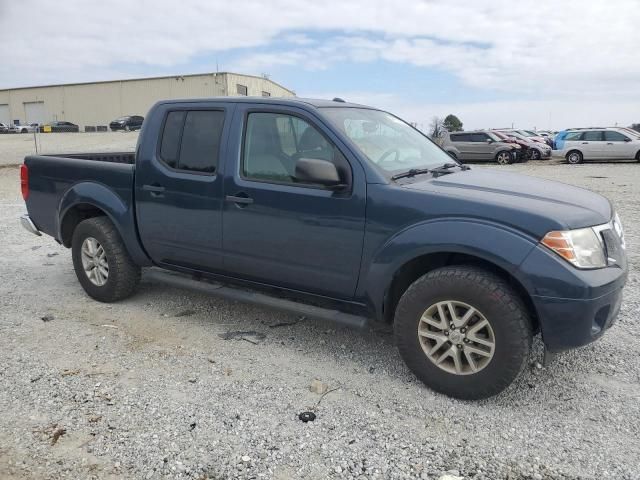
28	225
570	323
574	307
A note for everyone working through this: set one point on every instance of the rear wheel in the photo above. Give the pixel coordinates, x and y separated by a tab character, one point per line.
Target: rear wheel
574	157
638	156
504	158
102	264
463	331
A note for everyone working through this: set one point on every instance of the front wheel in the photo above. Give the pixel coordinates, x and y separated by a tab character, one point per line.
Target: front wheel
103	266
504	158
463	331
574	157
535	154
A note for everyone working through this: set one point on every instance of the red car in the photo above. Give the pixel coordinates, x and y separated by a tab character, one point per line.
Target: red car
524	145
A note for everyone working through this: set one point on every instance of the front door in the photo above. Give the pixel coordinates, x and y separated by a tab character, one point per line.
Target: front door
285	233
618	145
179	188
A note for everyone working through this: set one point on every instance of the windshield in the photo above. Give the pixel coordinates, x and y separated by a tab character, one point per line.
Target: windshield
388	142
493	136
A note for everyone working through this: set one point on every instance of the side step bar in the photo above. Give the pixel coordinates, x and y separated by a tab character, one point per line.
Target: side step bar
178	280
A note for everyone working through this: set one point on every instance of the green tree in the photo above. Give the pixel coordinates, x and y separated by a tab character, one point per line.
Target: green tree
452	123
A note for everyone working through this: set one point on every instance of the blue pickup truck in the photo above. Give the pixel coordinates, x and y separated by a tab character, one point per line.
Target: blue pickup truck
341	211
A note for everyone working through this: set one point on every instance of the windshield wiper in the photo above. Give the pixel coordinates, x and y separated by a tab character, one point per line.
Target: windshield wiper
411	173
448	166
441	170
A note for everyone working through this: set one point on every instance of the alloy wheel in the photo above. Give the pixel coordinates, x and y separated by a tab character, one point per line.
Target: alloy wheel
456	337
94	261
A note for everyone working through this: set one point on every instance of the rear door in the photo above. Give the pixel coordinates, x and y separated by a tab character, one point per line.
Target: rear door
481	148
282	232
179	185
592	145
462	141
618	146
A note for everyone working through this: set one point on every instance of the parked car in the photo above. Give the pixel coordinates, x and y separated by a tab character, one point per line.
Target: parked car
535	150
480	146
285	198
23	128
600	144
524	144
4	128
60	127
532	136
129	122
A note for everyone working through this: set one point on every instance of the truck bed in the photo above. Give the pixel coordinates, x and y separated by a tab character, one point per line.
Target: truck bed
52	177
113	157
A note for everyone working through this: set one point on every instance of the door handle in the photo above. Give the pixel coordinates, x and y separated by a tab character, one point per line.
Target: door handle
585	143
609	143
240	200
154	190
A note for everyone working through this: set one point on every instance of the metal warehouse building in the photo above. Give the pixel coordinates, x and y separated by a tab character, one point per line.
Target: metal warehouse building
96	104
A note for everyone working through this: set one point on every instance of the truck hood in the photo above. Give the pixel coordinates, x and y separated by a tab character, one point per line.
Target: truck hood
527	203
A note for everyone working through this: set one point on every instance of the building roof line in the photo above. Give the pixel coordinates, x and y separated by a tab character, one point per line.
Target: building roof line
214	74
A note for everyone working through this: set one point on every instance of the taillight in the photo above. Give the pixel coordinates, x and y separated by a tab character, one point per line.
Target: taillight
24	181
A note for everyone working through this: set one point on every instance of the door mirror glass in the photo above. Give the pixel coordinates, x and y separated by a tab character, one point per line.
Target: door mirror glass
318	172
489	140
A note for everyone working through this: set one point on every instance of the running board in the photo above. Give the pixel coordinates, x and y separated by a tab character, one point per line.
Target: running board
178	280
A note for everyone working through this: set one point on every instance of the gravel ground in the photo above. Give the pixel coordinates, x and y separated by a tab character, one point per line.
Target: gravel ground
148	388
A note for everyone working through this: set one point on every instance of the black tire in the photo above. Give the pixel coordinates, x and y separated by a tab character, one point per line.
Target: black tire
504	157
535	154
488	294
574	157
638	156
24	130
123	273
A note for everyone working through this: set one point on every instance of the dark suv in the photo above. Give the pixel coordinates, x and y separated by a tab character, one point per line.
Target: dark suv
129	122
480	145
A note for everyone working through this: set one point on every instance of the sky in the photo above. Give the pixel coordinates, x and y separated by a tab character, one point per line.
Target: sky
546	64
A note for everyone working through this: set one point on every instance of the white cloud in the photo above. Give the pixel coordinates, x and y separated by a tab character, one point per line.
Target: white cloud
573	49
540	114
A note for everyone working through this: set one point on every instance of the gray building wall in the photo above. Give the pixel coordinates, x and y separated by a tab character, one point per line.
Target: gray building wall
91	104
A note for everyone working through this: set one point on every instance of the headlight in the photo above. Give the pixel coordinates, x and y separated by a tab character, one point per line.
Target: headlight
582	247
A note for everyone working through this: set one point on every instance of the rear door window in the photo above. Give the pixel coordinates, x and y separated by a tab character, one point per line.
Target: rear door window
191	140
479	137
593	136
461	137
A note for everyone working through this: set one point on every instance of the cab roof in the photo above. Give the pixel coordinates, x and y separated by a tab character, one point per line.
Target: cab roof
287	101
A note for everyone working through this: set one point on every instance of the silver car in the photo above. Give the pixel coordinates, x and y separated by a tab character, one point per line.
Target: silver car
480	146
600	144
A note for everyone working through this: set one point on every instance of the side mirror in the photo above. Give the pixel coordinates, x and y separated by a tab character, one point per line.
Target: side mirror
627	139
489	140
318	172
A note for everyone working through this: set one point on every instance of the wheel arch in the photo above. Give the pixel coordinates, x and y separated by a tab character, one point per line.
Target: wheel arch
415	268
451	241
87	200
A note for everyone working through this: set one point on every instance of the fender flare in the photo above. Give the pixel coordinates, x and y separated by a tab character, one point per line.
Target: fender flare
120	212
497	244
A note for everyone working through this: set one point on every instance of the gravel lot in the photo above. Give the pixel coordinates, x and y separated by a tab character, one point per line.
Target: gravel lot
148	388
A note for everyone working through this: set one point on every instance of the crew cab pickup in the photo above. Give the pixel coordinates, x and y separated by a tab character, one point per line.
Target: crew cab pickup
341	211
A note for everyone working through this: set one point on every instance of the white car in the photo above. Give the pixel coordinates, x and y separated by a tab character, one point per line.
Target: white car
600	144
23	128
